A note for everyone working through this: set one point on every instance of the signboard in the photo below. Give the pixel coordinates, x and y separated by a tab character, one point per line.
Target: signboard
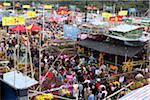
48	6
7	4
72	7
106	15
116	19
62	12
71	31
31	14
26	6
6	21
91	8
63	7
123	13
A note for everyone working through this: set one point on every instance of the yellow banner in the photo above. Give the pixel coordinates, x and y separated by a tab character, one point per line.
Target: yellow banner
48	6
31	14
106	15
6	21
26	6
123	13
7	4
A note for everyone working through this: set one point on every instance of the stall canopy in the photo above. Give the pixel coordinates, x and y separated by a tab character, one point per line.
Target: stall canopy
18	28
18	81
138	94
124	28
34	27
110	48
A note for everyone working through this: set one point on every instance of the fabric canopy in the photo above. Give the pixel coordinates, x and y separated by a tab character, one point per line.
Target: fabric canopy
110	48
138	94
34	27
124	28
18	28
21	81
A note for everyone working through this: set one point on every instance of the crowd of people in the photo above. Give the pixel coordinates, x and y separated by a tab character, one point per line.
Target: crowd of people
81	76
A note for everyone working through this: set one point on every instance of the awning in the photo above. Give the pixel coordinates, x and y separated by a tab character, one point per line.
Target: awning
138	94
125	28
110	48
17	80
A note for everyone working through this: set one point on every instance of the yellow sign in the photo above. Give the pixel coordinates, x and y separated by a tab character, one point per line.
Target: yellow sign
48	6
123	13
6	21
31	14
7	4
106	15
48	96
26	6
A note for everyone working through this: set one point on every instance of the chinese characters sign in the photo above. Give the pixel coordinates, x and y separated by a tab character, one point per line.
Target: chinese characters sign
6	21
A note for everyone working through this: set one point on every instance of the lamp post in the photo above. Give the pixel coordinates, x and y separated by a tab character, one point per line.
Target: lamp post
86	4
40	48
14	5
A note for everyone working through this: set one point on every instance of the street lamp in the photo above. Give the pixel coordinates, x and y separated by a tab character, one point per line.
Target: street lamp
86	4
14	5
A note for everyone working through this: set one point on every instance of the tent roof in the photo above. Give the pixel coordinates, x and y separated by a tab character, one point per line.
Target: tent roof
34	27
20	81
18	28
110	48
125	28
138	94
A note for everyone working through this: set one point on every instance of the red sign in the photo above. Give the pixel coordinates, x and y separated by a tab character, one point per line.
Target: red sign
63	7
91	8
62	12
119	18
116	19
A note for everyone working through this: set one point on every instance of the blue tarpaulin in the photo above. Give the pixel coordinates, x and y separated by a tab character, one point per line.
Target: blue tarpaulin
71	31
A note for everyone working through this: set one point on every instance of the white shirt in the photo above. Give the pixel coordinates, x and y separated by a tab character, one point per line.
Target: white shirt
105	92
121	79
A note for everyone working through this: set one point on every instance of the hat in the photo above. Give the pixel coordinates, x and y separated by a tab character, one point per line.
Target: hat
98	79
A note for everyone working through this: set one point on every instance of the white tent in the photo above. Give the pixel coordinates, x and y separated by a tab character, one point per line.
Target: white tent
18	80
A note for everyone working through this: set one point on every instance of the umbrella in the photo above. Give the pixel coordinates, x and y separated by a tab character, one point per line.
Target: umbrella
18	28
34	27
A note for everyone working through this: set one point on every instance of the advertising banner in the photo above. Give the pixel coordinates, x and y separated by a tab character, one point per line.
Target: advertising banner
6	21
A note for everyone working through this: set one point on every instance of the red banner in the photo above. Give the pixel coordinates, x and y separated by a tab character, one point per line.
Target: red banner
91	8
62	12
116	19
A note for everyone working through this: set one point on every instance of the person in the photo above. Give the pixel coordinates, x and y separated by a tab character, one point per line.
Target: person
99	95
91	96
97	83
91	59
75	90
80	89
121	79
104	91
93	69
